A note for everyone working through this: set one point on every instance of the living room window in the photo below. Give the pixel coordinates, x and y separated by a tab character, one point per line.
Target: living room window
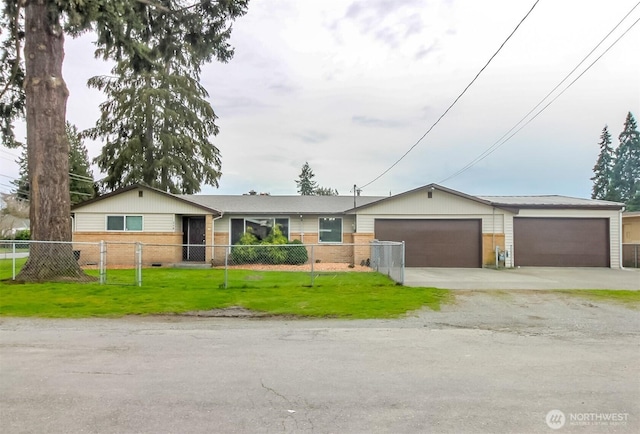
124	223
330	229
261	227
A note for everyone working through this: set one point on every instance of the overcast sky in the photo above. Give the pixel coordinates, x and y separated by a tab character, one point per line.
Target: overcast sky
350	86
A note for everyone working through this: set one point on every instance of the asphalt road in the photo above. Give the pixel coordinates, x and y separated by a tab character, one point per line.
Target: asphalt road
494	362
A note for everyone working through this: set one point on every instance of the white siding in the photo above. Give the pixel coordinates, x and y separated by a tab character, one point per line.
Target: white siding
508	239
442	205
419	203
151	202
94	222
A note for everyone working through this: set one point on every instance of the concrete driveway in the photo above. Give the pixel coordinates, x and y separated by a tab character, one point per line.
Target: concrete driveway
544	278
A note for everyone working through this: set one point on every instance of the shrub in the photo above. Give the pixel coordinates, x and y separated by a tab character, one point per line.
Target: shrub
275	249
23	235
297	253
245	251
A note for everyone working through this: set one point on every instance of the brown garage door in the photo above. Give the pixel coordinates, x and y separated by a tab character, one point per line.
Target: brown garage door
435	243
561	242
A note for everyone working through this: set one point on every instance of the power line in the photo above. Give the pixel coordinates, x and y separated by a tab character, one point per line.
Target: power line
8	153
27	192
80	177
502	140
455	101
24	192
71	175
8	159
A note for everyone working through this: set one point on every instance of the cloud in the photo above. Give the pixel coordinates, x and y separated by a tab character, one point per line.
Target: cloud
282	88
313	136
375	122
387	20
234	106
425	51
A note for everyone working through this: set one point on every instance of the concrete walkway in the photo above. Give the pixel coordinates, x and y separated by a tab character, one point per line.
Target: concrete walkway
544	278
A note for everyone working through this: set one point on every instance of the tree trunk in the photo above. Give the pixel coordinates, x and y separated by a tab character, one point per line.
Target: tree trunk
47	149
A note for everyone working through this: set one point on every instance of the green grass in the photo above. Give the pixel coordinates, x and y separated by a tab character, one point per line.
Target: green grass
167	290
625	297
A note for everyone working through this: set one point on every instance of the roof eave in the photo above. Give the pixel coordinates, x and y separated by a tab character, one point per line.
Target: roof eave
559	206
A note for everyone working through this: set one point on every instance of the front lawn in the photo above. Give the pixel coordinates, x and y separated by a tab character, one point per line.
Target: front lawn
170	290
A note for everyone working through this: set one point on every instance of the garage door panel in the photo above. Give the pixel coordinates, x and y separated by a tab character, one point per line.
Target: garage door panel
435	243
561	242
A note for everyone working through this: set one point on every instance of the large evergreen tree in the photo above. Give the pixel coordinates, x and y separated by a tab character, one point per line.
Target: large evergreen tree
12	97
22	183
156	126
139	32
81	182
626	170
603	169
306	185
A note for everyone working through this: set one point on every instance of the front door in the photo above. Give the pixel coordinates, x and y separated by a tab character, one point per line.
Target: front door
193	238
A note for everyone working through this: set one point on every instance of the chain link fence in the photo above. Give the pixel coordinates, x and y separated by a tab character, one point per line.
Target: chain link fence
124	263
387	257
631	255
72	261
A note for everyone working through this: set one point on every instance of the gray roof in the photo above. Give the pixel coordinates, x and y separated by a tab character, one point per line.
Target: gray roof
263	204
550	201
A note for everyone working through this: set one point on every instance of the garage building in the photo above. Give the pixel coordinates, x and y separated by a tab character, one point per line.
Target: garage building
442	227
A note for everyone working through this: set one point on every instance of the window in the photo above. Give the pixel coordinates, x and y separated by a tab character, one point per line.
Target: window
124	223
259	226
330	230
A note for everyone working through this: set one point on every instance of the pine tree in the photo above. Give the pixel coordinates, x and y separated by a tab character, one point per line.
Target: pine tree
325	191
22	183
634	203
603	169
12	96
81	182
306	185
143	33
156	126
626	170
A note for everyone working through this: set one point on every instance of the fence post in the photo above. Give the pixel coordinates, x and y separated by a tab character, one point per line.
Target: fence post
103	255
402	266
636	255
313	260
13	255
226	267
139	263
